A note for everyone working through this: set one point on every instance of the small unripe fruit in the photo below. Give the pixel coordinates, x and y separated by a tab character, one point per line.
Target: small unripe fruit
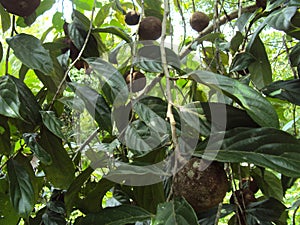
199	21
132	18
150	28
22	8
138	80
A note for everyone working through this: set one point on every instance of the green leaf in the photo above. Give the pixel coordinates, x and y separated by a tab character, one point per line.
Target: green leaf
57	21
120	215
41	154
148	197
10	102
260	69
95	104
116	31
295	55
265	147
61	171
236	41
30	51
17	101
7	211
84	4
268	183
241	61
281	19
265	211
5	19
117	92
153	53
44	6
102	14
72	194
21	189
5	146
285	90
52	123
175	212
260	110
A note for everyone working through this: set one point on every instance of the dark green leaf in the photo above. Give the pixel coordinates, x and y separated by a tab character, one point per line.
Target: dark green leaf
53	218
295	55
7	211
72	194
236	41
30	51
260	110
95	104
61	171
41	154
10	102
92	203
120	215
5	146
209	217
52	123
284	90
266	211
118	91
265	147
260	69
241	61
175	212
281	18
1	51
152	53
268	183
21	189
5	19
148	197
116	31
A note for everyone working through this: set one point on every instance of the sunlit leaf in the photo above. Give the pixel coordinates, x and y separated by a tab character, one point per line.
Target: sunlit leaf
116	31
5	19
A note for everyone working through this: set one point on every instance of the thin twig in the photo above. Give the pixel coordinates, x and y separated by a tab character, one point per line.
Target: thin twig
287	53
76	60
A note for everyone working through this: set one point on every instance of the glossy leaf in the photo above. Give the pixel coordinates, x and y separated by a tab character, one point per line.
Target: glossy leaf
30	51
260	110
114	85
61	171
175	212
52	123
241	61
95	104
41	154
265	147
285	90
21	189
260	69
120	215
281	18
102	14
116	31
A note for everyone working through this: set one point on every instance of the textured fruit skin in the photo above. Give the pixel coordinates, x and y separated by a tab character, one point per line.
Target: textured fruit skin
138	80
132	18
199	21
150	28
22	8
203	189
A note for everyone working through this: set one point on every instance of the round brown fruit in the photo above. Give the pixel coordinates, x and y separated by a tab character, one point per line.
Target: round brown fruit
22	8
199	21
138	80
203	189
150	28
132	18
261	3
